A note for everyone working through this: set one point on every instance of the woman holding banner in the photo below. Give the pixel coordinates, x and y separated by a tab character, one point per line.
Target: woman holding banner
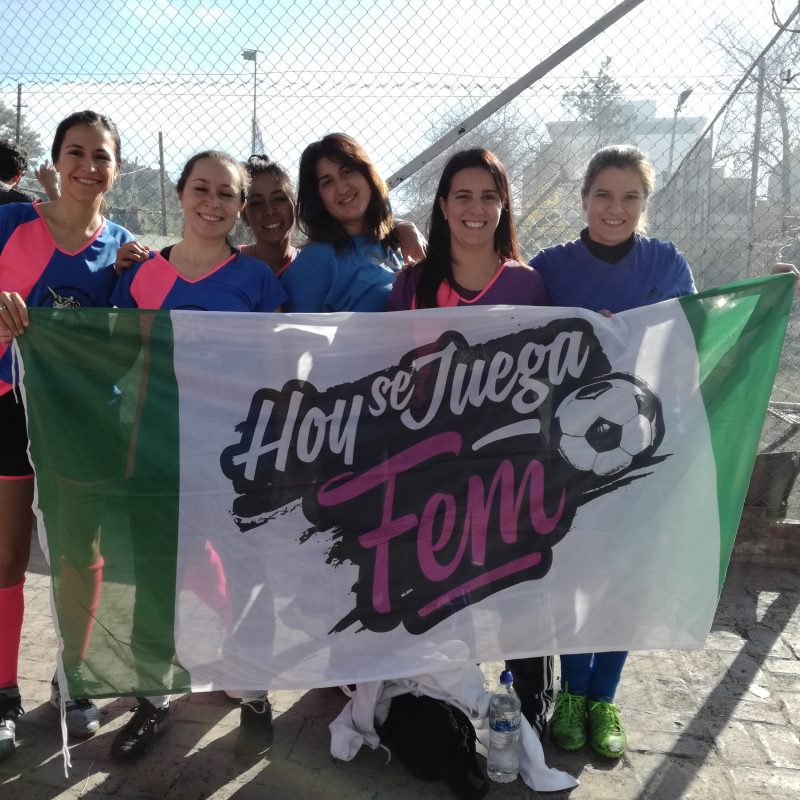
203	271
57	254
611	267
473	254
474	259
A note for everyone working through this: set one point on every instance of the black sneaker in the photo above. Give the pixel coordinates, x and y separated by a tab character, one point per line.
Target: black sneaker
255	729
10	711
539	725
140	731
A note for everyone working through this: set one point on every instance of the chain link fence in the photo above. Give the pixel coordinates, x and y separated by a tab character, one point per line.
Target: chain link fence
709	90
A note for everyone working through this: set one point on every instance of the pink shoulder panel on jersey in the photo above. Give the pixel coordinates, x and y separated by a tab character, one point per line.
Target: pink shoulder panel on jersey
153	281
448	297
25	257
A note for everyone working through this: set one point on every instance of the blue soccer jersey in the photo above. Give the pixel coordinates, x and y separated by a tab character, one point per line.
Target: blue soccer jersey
652	271
359	278
240	283
33	265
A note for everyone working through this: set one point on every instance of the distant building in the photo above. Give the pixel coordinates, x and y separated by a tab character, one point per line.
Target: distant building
572	142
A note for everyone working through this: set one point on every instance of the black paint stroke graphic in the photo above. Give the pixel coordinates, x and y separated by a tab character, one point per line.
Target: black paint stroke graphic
453	474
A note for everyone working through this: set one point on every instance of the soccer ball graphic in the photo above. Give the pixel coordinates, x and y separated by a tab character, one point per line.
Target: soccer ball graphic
606	424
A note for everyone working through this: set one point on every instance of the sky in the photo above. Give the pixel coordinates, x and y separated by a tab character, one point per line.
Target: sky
386	72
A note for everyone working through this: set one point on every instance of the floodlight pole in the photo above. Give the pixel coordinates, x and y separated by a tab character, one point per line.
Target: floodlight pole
252	55
682	98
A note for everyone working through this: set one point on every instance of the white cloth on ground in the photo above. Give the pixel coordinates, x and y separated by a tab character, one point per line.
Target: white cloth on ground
464	688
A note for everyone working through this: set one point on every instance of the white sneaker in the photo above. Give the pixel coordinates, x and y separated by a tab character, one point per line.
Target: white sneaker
82	717
10	710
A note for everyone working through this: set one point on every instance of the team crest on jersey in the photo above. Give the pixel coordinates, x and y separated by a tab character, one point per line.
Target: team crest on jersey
68	297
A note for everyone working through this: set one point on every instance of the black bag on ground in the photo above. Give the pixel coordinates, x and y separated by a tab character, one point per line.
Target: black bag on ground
435	741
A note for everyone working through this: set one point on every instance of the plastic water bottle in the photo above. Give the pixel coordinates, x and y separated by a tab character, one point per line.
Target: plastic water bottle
502	765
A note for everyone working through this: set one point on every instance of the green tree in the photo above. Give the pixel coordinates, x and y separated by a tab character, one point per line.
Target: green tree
598	102
28	139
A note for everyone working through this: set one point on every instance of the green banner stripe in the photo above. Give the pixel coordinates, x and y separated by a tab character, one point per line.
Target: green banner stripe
739	332
113	437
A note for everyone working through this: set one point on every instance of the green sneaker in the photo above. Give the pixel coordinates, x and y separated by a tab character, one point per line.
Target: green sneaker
568	723
607	736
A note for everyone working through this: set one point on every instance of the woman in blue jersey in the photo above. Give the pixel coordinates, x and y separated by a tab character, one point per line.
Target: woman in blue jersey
610	268
60	254
352	257
202	271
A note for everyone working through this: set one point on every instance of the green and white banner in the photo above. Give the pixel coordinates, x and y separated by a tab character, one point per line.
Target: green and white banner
288	501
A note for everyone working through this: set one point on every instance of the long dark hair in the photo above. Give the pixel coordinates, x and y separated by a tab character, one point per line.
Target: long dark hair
315	221
94	120
437	266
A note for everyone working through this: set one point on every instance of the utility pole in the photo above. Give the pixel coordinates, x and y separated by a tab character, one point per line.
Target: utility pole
163	186
751	209
252	55
682	98
19	113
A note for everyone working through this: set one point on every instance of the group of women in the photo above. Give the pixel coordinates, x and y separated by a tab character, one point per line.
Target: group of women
356	258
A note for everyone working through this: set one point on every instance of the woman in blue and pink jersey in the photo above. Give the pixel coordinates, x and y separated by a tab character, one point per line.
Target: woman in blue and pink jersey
611	267
59	254
352	257
202	271
270	212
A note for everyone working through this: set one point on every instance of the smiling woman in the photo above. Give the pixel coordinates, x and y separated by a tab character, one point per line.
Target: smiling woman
612	267
270	213
57	254
202	272
474	259
352	257
473	253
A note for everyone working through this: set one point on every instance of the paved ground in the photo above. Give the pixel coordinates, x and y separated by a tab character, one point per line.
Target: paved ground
720	723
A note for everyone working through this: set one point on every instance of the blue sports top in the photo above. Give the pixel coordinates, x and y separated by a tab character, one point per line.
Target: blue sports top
652	271
357	279
33	265
240	283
